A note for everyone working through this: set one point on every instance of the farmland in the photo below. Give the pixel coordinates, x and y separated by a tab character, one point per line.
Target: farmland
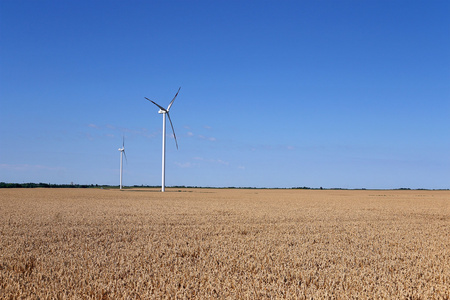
224	243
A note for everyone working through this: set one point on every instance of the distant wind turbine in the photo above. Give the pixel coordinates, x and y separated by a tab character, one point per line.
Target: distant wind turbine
122	153
165	112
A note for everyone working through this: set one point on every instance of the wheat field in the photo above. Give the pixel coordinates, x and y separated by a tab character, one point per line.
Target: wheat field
224	244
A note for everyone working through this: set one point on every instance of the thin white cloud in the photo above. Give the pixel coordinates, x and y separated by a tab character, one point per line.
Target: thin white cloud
210	138
184	165
268	147
89	136
214	161
145	133
222	162
93	126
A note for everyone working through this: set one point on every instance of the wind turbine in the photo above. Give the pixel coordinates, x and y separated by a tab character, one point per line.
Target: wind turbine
165	112
122	153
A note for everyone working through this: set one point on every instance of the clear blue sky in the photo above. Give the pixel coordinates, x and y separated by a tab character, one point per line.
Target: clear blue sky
350	94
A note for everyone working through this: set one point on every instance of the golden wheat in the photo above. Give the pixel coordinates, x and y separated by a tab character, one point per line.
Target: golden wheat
234	244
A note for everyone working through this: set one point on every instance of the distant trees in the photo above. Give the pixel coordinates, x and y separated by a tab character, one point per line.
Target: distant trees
43	185
71	185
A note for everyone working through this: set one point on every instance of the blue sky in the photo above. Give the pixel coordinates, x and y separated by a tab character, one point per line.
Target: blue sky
349	94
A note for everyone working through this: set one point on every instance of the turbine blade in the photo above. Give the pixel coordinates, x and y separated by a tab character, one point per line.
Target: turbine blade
160	107
124	154
173	130
123	141
171	102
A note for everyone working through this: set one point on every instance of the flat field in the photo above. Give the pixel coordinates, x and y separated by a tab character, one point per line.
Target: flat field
224	243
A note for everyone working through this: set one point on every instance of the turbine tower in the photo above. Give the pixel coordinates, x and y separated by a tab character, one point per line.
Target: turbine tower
165	112
122	153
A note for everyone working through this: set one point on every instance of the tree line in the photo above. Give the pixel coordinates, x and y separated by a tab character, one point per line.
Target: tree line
44	185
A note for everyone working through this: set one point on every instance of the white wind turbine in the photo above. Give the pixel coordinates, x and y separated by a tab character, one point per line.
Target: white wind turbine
122	153
165	112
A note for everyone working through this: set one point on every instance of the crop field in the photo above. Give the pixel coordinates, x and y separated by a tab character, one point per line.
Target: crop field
224	244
